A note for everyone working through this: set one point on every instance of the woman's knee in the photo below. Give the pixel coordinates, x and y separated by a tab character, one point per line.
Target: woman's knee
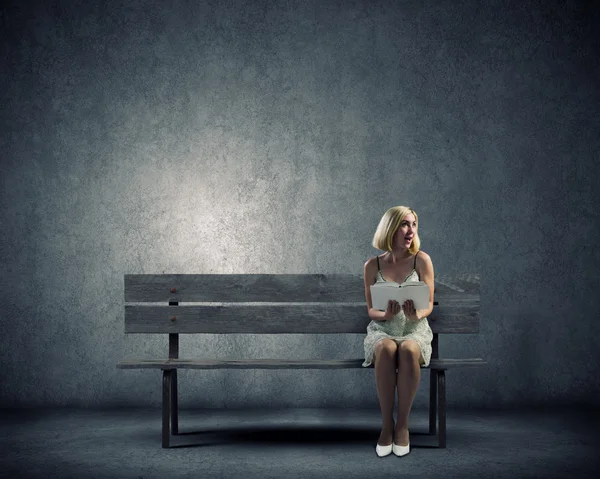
385	347
410	349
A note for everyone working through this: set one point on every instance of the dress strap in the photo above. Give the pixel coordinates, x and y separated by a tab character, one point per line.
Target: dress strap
378	267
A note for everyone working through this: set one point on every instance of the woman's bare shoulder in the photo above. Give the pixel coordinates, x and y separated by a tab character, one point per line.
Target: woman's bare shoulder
371	261
422	259
370	271
423	256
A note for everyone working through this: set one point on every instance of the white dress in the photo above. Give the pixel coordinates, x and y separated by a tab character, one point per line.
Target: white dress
399	328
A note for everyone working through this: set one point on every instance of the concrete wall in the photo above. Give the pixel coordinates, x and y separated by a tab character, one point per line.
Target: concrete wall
270	137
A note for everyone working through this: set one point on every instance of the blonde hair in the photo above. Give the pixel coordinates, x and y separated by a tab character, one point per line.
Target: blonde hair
389	224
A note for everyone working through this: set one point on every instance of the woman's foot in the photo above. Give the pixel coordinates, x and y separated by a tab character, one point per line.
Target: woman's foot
401	436
386	436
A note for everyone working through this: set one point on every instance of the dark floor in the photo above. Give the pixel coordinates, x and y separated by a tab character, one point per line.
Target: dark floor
306	443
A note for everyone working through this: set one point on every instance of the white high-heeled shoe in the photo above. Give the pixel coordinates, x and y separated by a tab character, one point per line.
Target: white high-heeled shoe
400	450
383	451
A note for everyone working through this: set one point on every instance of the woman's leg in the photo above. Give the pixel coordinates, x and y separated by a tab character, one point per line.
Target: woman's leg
409	375
385	376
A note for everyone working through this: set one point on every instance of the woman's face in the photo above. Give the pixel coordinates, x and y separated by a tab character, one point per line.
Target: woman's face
407	228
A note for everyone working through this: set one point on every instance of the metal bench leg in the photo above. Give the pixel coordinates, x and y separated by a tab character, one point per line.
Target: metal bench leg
433	401
441	376
166	408
174	404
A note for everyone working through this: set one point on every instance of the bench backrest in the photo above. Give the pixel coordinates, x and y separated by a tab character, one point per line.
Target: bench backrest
278	303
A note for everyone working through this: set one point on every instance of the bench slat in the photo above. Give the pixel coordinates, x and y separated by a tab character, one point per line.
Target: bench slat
264	287
277	363
464	283
459	314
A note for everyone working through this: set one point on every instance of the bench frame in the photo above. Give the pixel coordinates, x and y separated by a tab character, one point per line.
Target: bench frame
170	407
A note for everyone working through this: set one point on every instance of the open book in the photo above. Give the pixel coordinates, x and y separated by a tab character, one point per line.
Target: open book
382	292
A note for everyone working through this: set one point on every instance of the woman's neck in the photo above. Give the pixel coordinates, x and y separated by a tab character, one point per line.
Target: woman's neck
397	257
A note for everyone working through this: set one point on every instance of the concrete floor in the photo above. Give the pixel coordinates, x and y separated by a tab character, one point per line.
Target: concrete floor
304	443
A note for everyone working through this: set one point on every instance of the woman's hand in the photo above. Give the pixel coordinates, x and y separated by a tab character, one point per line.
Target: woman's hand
393	308
410	312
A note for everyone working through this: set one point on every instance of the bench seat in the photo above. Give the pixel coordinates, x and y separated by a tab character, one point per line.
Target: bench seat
277	363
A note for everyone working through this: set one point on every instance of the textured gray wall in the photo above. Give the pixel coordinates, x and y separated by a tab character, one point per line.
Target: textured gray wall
196	137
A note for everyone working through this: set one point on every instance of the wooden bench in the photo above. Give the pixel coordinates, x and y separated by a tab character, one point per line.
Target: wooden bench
281	304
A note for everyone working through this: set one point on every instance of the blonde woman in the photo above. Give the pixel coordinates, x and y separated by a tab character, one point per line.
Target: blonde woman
399	337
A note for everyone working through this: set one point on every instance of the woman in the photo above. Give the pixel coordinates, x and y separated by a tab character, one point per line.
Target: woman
400	336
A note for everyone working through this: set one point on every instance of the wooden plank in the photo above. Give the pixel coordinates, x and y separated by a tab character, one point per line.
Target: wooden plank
458	315
243	287
453	363
274	363
468	283
455	313
261	287
174	404
166	409
432	401
174	345
241	364
441	376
